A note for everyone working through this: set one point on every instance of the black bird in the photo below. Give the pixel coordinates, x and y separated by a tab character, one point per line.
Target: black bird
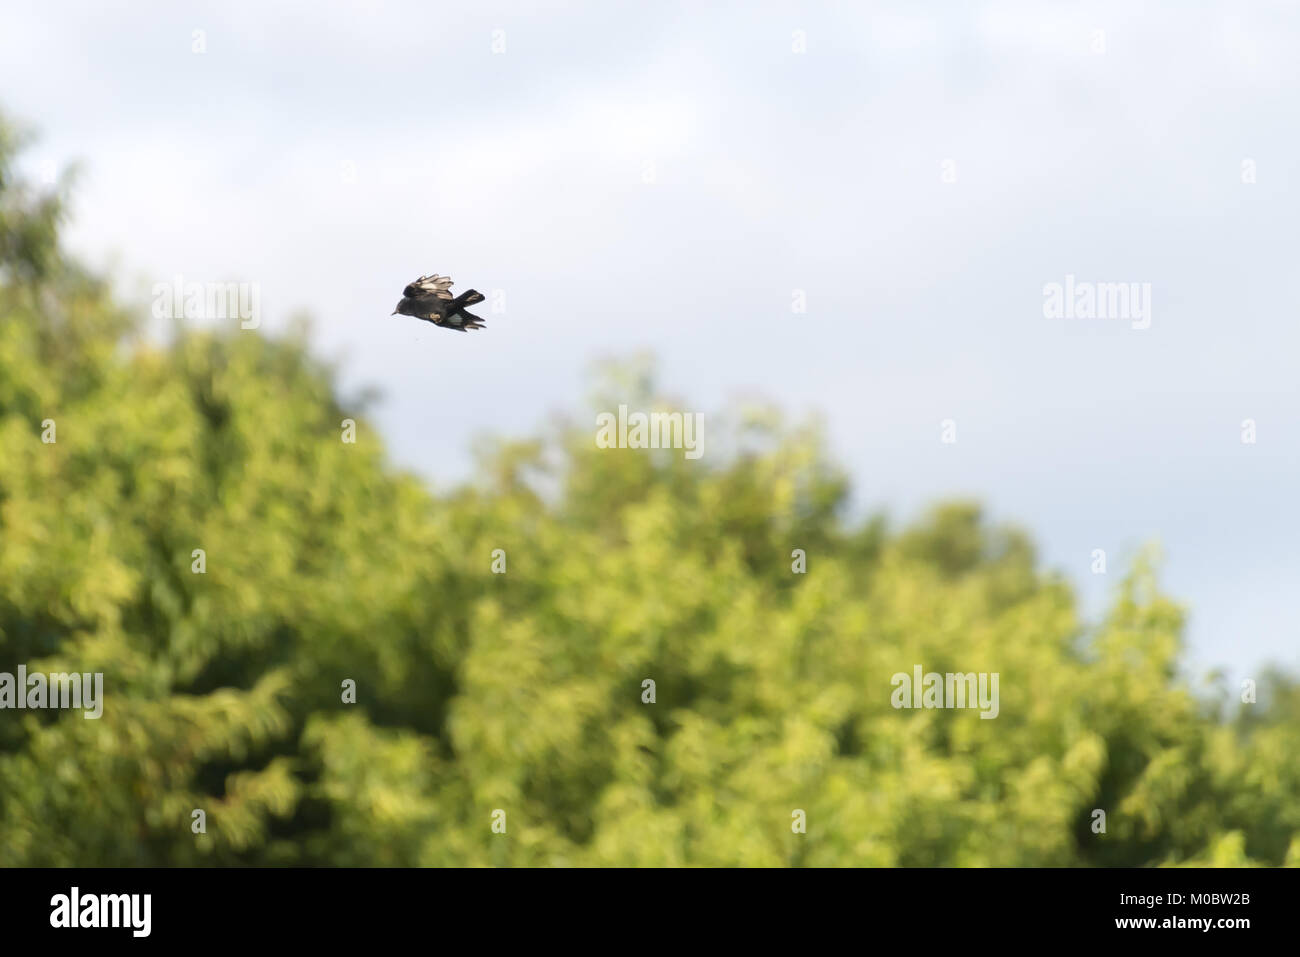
430	298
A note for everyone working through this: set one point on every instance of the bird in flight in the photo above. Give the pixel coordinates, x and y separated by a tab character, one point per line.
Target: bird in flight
430	298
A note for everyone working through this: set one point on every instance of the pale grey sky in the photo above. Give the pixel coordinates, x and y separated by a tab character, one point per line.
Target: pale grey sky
774	171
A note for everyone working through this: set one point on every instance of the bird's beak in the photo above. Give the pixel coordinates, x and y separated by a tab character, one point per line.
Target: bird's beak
393	313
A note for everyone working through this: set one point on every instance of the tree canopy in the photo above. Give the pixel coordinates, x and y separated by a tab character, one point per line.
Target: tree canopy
186	517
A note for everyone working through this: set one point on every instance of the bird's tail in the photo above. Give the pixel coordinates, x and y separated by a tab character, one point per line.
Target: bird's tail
457	308
467	298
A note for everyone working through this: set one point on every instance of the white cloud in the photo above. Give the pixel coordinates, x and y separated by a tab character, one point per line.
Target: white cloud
819	171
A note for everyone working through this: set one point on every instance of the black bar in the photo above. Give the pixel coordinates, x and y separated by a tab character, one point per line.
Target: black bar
331	906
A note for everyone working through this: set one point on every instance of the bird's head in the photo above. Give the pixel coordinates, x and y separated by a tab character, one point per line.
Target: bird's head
397	310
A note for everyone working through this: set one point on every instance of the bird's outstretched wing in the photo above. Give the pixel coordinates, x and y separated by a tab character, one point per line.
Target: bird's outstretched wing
429	287
461	319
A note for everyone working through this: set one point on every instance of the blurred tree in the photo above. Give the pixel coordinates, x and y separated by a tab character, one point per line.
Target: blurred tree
523	691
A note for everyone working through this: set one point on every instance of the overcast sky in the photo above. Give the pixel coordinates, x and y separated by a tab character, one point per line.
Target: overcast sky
920	171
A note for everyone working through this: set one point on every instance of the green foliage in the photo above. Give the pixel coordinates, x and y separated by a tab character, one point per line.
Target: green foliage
523	691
